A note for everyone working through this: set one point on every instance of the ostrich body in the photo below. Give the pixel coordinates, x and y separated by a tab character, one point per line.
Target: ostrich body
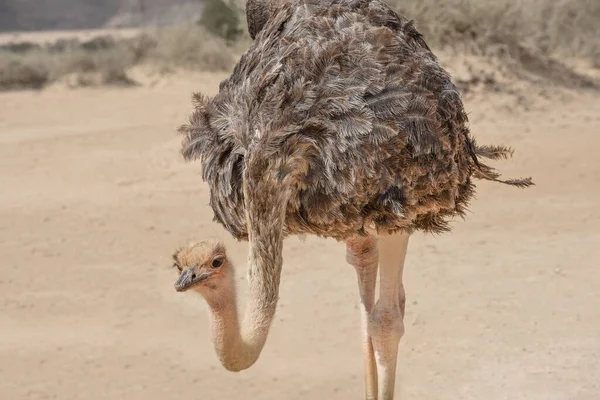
338	121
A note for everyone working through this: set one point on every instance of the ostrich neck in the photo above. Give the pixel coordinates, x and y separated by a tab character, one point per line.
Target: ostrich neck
239	345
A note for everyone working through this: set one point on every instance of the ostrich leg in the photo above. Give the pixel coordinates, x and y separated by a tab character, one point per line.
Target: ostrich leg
362	254
385	324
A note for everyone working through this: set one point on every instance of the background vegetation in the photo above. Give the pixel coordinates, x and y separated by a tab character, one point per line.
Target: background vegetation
540	35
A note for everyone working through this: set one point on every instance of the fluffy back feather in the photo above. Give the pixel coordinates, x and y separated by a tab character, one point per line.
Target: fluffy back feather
345	102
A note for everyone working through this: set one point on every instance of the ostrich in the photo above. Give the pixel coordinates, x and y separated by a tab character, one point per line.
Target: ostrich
338	121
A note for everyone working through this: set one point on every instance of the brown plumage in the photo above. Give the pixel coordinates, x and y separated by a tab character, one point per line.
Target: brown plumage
340	113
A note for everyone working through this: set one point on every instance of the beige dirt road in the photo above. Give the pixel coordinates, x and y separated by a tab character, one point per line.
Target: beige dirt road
95	197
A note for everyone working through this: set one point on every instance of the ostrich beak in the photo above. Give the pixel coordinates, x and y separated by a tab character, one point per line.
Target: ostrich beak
189	277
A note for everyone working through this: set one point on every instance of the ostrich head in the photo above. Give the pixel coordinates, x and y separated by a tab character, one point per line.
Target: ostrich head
203	266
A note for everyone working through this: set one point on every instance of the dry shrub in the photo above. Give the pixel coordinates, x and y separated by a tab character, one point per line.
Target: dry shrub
93	67
23	71
559	27
106	60
191	46
100	61
533	36
596	57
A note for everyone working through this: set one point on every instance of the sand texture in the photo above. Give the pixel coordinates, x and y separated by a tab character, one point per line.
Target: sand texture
95	197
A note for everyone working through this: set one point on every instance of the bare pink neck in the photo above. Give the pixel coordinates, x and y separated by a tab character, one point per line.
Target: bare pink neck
238	346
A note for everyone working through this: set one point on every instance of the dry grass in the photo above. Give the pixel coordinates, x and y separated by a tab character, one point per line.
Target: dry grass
106	60
23	71
537	36
565	28
189	46
596	58
29	65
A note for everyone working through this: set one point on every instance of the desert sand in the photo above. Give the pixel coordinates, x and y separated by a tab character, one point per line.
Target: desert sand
95	198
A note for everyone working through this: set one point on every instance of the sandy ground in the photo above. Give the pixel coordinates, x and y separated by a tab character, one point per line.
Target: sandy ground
95	197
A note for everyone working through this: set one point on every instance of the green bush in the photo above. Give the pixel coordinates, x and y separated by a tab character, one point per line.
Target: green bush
221	19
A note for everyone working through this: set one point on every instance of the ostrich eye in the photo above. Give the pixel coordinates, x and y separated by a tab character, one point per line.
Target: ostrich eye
217	262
